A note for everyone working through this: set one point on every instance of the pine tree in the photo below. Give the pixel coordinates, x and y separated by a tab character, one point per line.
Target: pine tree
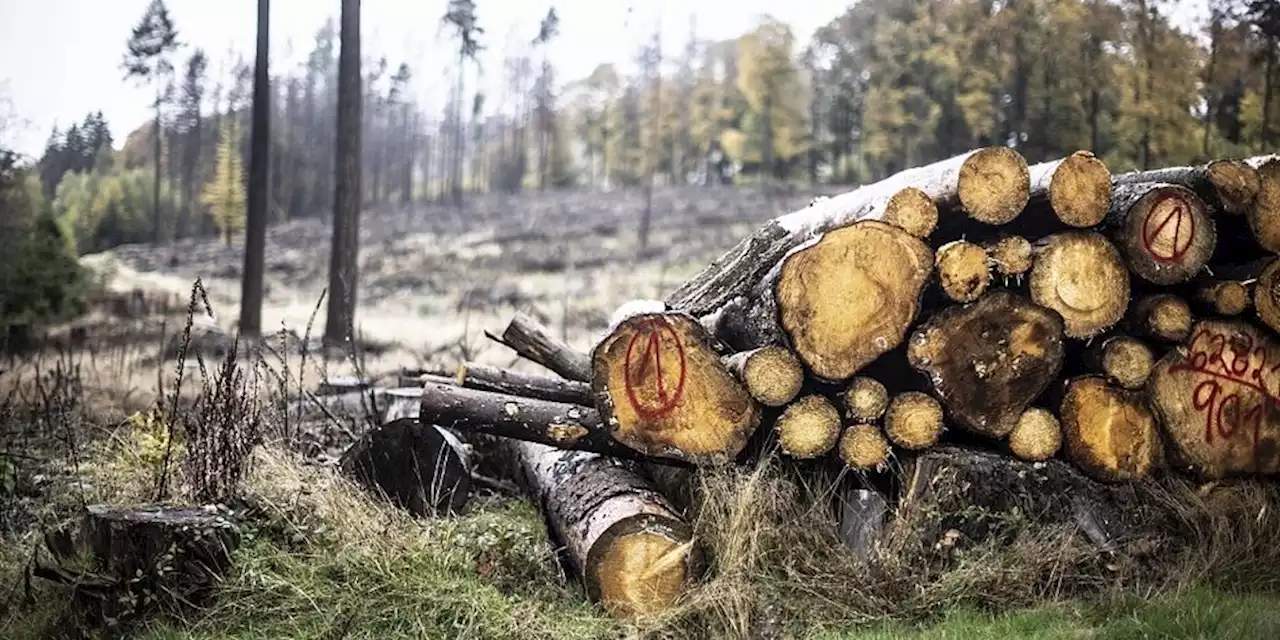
153	41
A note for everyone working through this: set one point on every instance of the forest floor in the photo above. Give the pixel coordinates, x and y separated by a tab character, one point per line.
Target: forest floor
323	560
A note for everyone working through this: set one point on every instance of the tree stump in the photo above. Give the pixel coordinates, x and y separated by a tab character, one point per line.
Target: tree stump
419	467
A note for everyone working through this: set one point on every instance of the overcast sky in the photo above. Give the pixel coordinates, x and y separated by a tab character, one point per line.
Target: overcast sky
60	59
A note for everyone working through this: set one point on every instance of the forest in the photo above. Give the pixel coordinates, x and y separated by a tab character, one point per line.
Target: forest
884	86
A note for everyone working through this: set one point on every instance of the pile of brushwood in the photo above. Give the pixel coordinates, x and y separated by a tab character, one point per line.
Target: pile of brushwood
971	335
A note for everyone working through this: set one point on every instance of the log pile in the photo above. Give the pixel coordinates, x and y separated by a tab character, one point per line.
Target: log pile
1050	327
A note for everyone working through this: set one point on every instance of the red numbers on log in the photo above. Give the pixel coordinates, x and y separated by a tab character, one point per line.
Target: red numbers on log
1164	246
654	383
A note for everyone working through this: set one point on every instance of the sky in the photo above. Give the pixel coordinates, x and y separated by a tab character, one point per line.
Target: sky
60	59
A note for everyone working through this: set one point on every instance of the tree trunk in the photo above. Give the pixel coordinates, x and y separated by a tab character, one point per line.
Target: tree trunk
1163	230
157	149
1231	185
343	257
255	230
1077	188
486	378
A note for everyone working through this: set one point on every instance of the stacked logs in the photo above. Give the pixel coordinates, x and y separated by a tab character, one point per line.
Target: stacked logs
1124	324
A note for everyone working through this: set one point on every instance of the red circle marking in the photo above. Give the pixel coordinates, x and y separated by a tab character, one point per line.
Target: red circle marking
1151	228
652	332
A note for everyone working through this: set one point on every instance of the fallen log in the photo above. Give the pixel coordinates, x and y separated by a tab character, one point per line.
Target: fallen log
663	390
556	424
913	420
1162	317
1223	297
1037	436
487	378
989	360
963	271
1010	255
1228	185
865	399
418	467
527	337
1218	400
1077	188
1080	275
808	427
1266	295
1163	230
634	554
1264	216
991	184
772	374
1109	431
1124	360
864	447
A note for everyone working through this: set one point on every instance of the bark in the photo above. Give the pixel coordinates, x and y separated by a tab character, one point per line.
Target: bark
486	378
255	231
808	427
991	184
1077	188
635	555
344	250
1163	231
527	337
556	424
989	360
913	420
664	390
418	467
1229	185
1080	275
1217	400
1109	431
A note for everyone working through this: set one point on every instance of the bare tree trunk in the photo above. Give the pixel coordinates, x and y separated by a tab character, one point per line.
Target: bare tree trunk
155	186
343	256
255	231
1266	99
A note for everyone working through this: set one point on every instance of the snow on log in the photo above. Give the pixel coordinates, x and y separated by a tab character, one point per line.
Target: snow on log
1230	185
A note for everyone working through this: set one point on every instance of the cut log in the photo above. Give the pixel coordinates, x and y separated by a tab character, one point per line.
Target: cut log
850	296
635	555
958	496
865	399
772	374
864	447
1163	230
419	467
123	562
527	337
1080	275
991	184
1011	255
1109	431
913	420
963	271
486	378
664	391
1078	188
401	402
913	211
1224	297
1264	216
1217	400
1163	317
1229	185
1124	360
1266	295
557	424
808	427
989	360
1037	436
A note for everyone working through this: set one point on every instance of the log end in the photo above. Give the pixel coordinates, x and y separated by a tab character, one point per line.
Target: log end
849	297
1167	235
1037	436
1109	432
963	271
665	391
1011	256
1127	361
863	446
1227	298
1266	296
773	375
994	185
1080	275
641	565
1236	183
913	420
1164	317
865	400
1080	193
1264	216
913	211
808	428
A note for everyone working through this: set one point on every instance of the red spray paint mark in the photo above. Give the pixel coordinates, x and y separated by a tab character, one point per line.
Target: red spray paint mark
1225	413
1176	213
662	388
